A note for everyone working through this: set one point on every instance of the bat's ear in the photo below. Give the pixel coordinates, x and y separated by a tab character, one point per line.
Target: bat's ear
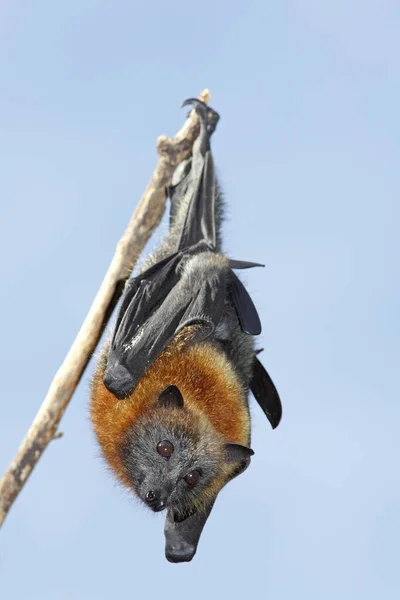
171	397
236	452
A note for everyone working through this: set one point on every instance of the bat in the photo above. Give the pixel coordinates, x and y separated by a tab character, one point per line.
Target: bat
169	395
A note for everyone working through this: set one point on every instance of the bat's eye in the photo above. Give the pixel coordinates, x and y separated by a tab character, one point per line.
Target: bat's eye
192	478
165	448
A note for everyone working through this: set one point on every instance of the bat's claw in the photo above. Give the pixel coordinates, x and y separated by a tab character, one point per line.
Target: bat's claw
208	115
195	101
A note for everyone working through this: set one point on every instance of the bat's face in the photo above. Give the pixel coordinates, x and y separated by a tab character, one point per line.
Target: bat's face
175	459
170	462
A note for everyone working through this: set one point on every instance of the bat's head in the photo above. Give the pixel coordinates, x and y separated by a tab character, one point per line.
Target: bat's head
176	459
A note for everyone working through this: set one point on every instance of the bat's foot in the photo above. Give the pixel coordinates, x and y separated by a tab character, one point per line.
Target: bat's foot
208	115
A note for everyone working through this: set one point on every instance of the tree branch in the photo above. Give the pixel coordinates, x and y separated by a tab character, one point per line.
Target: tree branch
145	219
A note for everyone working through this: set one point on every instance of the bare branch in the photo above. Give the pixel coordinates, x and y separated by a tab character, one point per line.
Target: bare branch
142	224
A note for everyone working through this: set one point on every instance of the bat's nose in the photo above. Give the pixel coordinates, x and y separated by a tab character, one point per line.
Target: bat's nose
118	380
155	501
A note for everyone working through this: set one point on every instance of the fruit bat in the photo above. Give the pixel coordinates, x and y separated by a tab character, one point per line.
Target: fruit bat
169	396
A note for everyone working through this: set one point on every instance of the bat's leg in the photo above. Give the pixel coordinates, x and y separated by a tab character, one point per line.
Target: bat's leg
196	200
180	205
183	178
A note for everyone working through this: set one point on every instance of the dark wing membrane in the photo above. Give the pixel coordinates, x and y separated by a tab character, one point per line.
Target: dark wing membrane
160	305
245	309
207	303
140	300
165	273
266	394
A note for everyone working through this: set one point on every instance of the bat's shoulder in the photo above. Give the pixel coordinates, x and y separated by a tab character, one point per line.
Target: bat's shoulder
205	264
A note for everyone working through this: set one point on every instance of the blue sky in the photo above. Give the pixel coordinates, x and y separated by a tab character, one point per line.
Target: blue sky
308	154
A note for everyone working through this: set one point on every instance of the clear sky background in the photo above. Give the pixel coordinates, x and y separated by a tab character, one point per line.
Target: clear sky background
308	153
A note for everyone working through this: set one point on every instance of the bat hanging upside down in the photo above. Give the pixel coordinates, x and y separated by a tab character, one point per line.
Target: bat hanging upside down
169	397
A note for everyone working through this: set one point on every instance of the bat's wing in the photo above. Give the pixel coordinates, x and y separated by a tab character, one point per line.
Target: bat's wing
266	394
245	309
155	307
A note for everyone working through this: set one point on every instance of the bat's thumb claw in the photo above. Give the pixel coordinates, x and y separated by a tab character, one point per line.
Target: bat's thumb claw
118	380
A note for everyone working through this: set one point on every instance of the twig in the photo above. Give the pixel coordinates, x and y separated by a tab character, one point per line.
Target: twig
145	219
